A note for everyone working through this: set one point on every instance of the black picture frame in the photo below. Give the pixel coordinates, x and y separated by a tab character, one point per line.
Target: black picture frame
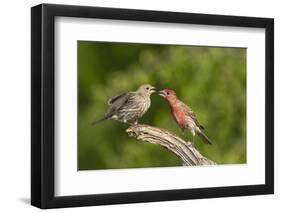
43	102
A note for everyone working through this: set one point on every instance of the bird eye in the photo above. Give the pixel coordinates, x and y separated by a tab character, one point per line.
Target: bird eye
168	93
147	88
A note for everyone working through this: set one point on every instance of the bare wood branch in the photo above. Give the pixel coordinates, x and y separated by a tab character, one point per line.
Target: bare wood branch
189	155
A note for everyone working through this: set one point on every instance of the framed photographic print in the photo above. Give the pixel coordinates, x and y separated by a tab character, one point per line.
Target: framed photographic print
140	106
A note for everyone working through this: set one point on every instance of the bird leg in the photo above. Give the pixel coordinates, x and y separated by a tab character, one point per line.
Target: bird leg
192	139
133	123
182	131
193	135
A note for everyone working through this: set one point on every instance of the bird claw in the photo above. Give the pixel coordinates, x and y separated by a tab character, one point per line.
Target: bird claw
189	144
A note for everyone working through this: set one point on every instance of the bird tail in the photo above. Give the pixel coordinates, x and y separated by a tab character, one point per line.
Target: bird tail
203	137
99	121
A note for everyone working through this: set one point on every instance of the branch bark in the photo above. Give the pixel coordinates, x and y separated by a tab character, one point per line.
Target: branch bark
189	155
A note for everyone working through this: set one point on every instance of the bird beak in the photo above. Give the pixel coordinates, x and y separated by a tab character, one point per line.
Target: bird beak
162	93
152	90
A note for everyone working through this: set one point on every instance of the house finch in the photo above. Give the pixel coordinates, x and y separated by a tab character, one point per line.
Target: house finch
129	106
183	115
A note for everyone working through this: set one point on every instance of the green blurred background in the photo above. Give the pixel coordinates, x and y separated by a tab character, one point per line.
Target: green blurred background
211	80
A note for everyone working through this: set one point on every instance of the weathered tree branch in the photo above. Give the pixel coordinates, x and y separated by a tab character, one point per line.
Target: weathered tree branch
182	149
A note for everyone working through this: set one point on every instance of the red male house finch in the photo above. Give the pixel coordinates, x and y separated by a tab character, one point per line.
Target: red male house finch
129	106
185	118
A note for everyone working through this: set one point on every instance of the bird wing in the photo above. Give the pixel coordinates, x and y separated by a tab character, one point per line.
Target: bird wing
116	102
116	98
191	114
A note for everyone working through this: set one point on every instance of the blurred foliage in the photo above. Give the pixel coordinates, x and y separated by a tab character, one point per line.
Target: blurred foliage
211	80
